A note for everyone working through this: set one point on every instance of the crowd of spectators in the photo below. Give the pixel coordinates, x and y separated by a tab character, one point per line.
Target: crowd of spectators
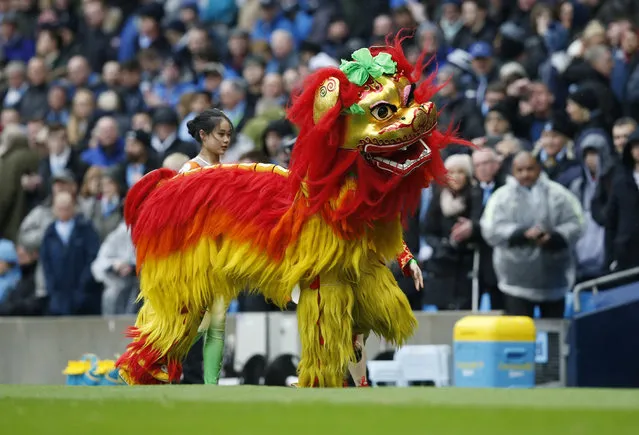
97	93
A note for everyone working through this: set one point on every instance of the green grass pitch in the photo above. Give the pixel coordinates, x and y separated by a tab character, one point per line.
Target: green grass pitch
246	410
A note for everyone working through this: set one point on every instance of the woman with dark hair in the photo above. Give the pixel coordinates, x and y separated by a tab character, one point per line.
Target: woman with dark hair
213	130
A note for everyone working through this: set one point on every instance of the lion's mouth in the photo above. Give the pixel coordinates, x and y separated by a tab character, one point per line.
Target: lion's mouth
400	160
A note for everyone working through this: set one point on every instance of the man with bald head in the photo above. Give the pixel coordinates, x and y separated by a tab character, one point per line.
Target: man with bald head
78	72
106	147
533	224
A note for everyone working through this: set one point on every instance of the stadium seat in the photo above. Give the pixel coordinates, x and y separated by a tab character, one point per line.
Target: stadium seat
426	363
569	309
586	304
383	372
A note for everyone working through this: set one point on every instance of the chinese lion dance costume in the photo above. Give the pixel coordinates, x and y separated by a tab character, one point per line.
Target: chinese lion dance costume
367	146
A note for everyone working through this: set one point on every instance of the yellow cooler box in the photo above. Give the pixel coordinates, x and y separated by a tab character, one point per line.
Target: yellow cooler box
494	351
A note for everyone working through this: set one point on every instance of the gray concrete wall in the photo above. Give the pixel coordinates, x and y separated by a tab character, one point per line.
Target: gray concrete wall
36	350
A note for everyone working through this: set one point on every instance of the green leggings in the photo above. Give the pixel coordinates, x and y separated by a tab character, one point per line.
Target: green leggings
214	342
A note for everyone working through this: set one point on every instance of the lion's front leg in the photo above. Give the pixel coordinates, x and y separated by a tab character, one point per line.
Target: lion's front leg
325	324
382	307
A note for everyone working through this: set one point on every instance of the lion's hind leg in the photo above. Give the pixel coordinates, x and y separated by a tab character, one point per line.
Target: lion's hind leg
176	293
325	324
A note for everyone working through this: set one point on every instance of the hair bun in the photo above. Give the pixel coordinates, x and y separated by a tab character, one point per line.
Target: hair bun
192	129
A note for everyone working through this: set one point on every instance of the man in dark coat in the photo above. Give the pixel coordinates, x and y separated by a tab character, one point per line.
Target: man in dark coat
622	224
61	157
69	247
486	165
621	131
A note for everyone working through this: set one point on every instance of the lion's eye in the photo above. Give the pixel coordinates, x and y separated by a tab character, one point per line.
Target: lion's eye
411	95
383	112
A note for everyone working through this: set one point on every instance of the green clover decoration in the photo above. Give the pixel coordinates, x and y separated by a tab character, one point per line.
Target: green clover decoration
362	67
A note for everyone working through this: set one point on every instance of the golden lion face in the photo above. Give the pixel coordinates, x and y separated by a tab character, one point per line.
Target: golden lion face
392	130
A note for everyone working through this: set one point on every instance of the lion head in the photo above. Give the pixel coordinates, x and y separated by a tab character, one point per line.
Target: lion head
386	125
370	122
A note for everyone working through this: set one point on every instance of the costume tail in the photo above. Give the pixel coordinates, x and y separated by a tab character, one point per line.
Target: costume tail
145	361
140	192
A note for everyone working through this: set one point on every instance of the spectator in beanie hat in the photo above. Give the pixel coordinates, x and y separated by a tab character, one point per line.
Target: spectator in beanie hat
140	159
498	122
582	104
583	108
555	149
164	140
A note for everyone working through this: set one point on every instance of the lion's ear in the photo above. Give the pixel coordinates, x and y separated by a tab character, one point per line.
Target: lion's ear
326	96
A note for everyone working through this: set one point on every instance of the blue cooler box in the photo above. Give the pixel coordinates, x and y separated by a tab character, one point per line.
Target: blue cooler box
494	352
